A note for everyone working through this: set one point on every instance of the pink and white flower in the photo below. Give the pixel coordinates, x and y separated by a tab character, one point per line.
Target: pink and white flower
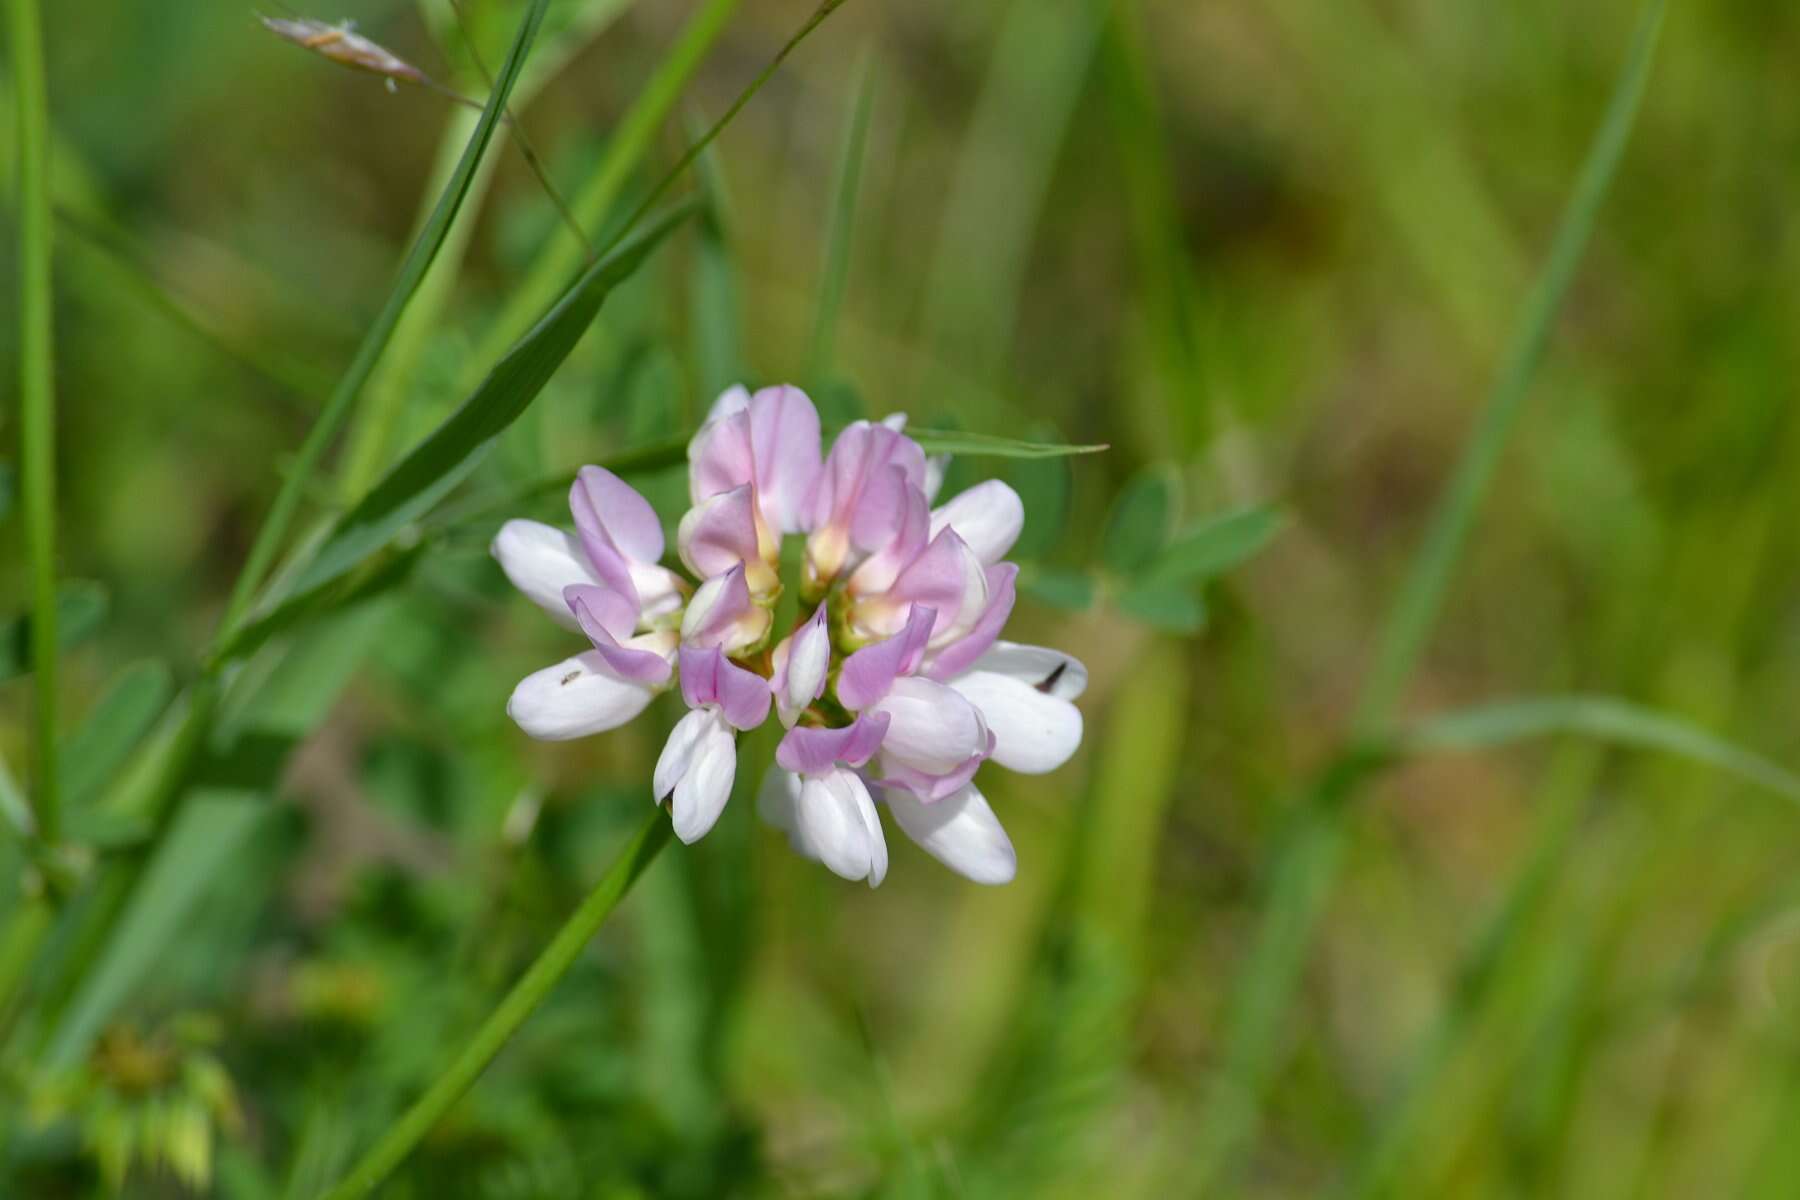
894	689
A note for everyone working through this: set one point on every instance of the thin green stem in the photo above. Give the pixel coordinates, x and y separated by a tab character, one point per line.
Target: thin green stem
519	1004
835	271
37	396
706	139
424	249
1421	599
549	273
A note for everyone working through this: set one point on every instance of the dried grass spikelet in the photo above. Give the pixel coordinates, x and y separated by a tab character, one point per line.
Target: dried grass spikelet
342	44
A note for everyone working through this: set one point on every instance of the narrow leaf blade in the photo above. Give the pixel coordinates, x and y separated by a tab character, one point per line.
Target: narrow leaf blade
445	457
982	445
118	721
1602	717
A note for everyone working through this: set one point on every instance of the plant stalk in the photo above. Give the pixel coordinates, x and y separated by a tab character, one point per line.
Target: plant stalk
406	1133
37	398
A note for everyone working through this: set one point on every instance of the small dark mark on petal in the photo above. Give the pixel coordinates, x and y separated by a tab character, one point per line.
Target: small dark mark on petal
1050	679
571	677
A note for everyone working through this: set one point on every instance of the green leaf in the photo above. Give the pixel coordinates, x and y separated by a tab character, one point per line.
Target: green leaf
371	578
1073	590
1217	545
80	608
632	138
368	354
1601	717
716	301
113	728
206	834
950	441
9	488
445	458
1171	608
834	273
1142	518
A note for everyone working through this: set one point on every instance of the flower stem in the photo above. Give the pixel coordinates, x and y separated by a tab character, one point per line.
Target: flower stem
404	1134
37	397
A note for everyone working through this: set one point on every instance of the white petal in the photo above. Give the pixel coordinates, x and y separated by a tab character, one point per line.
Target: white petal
1034	732
701	795
678	752
934	729
959	831
777	802
837	821
735	398
576	697
1060	675
935	466
660	591
809	658
541	561
989	517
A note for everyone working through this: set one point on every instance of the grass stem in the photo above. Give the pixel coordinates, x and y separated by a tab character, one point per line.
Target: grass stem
37	397
551	965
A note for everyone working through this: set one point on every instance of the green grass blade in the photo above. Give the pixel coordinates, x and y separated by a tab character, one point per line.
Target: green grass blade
118	722
368	444
418	260
372	577
207	834
1598	717
520	1002
983	445
1218	545
37	393
834	273
1164	263
715	290
76	614
630	142
444	458
699	145
1421	598
1307	863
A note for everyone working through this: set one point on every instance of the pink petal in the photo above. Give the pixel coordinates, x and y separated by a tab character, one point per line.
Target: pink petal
870	672
713	613
928	787
897	536
708	677
601	608
811	751
947	577
638	666
784	439
719	533
857	455
720	457
961	654
605	503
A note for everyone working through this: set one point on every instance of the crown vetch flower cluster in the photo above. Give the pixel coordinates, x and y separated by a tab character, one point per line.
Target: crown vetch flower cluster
893	688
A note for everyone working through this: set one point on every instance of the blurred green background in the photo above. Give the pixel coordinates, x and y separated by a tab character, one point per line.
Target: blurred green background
1272	255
